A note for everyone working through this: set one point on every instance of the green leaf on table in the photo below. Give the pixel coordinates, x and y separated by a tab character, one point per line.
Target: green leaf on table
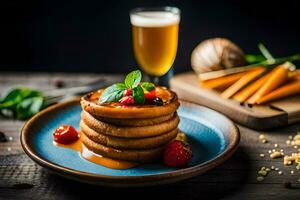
113	93
21	103
29	107
138	95
147	86
15	96
133	79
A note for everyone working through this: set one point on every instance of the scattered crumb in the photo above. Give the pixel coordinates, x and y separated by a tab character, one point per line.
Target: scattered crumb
262	155
261	137
264	141
260	178
272	167
280	172
276	154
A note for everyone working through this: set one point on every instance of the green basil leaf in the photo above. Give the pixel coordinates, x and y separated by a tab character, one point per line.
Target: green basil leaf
15	96
133	79
28	107
148	86
113	93
138	95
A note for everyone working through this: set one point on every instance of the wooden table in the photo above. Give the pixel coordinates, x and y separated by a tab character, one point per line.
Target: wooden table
21	178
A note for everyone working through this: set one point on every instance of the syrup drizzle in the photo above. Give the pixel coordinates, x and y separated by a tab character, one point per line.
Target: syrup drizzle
95	158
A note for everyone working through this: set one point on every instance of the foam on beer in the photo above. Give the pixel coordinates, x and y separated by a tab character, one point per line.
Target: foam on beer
154	18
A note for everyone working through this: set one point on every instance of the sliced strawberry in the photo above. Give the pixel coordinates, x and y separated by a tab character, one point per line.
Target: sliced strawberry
65	134
177	154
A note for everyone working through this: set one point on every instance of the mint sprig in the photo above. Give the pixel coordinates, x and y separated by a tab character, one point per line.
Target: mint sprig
22	103
132	81
113	93
138	95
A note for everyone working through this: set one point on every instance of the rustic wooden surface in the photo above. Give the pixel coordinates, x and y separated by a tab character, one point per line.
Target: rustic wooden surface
21	178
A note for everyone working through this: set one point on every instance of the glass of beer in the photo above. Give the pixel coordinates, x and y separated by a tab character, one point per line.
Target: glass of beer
155	39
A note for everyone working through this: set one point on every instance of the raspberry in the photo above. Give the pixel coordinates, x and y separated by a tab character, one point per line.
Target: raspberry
128	92
127	100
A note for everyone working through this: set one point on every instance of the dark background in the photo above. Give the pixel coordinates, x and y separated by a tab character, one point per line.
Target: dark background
95	36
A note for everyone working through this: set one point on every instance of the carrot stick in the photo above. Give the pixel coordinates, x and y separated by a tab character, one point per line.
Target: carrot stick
283	91
234	88
222	82
277	78
244	94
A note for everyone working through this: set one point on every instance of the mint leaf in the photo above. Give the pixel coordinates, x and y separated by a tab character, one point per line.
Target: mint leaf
148	86
133	79
113	93
15	96
21	103
138	95
28	107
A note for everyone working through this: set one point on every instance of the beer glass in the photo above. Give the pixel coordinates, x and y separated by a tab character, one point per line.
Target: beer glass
155	39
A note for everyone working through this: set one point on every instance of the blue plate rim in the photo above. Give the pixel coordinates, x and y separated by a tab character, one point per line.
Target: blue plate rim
127	181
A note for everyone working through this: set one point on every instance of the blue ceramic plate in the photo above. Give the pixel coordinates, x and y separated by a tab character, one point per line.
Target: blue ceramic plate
213	138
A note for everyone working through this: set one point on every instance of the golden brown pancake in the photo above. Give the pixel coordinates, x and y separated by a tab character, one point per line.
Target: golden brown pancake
130	132
127	143
146	155
135	121
90	104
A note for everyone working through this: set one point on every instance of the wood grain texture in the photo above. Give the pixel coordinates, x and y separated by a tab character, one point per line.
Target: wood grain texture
259	117
21	178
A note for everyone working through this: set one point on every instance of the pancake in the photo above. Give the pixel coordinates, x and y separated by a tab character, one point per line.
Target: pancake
130	132
127	143
147	155
90	104
135	121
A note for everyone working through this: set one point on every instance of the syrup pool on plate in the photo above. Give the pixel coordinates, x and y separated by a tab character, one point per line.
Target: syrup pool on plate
95	158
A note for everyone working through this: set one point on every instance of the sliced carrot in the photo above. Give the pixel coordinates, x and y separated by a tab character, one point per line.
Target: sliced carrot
234	88
244	94
222	82
283	91
277	78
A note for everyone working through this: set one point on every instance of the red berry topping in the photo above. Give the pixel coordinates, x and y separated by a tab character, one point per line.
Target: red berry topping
128	92
65	134
177	154
149	96
127	100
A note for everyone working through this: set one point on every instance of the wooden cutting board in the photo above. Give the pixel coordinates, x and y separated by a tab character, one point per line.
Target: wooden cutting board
259	117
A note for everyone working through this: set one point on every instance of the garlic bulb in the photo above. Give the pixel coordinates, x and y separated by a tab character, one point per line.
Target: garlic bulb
216	54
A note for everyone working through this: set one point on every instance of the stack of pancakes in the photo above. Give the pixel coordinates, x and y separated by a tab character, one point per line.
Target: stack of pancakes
136	133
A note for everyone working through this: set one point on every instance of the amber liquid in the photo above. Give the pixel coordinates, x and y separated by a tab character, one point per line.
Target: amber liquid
155	47
95	158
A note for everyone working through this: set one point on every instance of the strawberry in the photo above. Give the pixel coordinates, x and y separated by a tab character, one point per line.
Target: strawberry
127	92
177	154
149	96
127	100
65	134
